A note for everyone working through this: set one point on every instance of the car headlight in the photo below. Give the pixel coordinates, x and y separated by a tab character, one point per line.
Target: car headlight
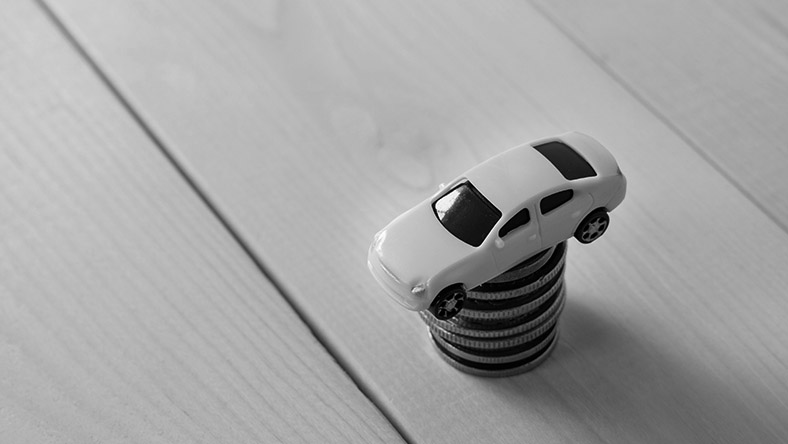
380	236
419	289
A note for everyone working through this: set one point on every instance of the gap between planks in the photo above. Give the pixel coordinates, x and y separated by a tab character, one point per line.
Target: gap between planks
655	111
216	212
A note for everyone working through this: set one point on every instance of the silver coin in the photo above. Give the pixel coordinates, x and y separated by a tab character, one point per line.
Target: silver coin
501	311
525	268
512	327
504	356
507	327
514	289
495	343
500	370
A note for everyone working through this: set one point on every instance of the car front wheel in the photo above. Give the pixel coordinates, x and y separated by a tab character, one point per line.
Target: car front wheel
592	227
448	302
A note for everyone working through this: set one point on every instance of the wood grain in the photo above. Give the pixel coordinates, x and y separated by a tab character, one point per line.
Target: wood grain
127	311
714	71
313	124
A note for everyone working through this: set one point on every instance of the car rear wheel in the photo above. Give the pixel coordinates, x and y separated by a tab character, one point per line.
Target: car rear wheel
592	227
448	302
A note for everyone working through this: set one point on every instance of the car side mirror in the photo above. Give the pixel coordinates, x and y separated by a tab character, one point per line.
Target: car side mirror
499	242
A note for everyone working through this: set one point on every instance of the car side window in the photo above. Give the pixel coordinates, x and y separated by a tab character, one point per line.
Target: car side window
555	200
518	220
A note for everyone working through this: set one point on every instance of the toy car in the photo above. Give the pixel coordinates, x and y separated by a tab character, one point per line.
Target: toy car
493	217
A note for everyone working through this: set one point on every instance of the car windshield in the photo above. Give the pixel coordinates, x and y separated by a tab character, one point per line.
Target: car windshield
466	213
566	160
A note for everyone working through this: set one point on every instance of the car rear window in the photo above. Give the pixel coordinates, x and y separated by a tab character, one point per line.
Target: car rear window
466	214
566	160
555	200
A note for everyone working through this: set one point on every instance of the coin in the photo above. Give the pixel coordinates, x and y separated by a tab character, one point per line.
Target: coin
495	330
475	310
501	356
498	370
495	343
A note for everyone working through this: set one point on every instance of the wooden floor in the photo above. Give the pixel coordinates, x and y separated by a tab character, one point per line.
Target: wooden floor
188	190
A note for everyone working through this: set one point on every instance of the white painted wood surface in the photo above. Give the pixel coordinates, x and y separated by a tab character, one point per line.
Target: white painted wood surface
127	311
716	71
313	124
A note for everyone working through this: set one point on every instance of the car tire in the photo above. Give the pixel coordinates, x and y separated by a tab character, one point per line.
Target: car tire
448	303
593	226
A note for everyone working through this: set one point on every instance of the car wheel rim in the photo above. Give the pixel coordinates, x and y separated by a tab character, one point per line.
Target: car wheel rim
593	229
450	306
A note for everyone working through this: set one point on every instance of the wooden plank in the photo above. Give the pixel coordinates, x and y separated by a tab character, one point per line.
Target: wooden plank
314	124
127	312
715	71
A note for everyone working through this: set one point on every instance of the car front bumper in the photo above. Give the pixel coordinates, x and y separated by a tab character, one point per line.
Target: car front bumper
396	289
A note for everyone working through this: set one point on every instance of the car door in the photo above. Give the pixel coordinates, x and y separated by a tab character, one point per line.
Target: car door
559	214
517	239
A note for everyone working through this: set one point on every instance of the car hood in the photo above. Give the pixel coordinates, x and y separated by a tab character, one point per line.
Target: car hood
415	247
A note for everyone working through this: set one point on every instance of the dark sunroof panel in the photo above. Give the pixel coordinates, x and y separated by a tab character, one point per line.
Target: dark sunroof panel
571	164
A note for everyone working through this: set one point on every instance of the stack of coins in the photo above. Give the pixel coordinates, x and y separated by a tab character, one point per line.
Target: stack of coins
508	325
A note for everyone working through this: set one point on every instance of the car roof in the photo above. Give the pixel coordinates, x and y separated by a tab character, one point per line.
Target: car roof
514	176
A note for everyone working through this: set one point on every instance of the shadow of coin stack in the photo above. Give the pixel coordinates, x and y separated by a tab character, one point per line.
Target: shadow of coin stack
509	324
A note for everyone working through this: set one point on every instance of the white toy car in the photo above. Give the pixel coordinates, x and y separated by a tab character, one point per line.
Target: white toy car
495	216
